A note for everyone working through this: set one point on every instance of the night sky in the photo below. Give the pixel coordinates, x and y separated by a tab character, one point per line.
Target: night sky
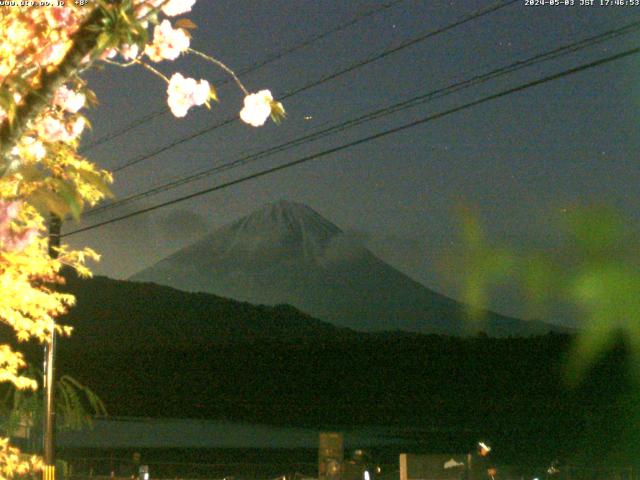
522	160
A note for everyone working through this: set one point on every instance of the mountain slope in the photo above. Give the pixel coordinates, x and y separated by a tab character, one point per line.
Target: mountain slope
155	351
120	315
288	253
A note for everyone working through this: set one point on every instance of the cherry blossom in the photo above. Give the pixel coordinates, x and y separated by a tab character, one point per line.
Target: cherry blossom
32	147
170	8
8	211
177	7
17	240
75	129
52	129
109	53
185	93
62	18
257	108
55	130
129	52
52	54
10	238
69	100
168	42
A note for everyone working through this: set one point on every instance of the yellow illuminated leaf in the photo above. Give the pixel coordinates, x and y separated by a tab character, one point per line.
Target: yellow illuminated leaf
186	23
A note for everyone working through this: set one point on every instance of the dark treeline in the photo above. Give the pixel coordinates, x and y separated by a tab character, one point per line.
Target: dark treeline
509	390
154	351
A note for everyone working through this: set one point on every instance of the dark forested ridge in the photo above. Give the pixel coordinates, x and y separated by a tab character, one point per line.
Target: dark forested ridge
509	390
113	314
160	352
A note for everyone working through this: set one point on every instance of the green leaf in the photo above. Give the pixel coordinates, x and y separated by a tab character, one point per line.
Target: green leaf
30	173
96	181
46	201
68	192
213	94
596	231
540	280
75	406
480	266
278	113
103	43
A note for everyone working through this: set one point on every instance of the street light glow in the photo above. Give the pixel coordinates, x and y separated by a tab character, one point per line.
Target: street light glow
484	449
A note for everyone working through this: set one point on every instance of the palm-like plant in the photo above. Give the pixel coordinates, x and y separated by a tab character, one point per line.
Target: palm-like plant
76	406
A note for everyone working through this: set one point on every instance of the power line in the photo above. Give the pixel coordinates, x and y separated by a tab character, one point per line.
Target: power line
412	102
326	78
369	138
409	43
384	111
269	59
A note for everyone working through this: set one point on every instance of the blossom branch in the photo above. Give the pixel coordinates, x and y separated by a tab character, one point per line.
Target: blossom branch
85	40
223	67
150	68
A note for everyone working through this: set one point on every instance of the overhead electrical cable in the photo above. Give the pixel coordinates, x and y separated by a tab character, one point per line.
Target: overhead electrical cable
269	59
321	80
384	133
403	105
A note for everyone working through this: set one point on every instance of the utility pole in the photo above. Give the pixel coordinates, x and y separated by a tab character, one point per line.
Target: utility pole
49	422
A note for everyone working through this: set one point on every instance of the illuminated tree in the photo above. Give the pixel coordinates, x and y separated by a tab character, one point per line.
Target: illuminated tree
43	54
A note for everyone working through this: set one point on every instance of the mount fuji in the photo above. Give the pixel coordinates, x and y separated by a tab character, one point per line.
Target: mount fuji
287	253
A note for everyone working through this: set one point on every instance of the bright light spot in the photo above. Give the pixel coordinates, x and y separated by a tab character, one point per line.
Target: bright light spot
308	117
484	449
366	475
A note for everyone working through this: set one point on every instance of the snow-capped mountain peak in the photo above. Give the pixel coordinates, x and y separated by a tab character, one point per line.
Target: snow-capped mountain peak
287	252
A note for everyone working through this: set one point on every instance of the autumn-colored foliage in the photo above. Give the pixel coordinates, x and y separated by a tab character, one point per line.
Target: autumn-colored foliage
43	54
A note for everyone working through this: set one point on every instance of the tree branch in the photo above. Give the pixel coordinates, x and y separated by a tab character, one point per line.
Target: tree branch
84	42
